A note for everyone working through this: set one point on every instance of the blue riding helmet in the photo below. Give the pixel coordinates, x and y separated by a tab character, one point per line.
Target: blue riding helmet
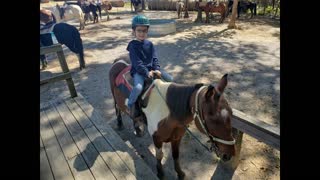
140	20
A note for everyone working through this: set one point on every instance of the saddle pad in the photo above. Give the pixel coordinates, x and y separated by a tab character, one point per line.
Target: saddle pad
157	108
124	78
47	28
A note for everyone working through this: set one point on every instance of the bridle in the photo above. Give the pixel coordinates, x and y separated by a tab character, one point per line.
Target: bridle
202	122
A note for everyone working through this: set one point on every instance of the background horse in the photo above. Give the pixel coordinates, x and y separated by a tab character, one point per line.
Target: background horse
180	8
68	12
211	7
135	4
88	7
171	107
106	6
243	6
68	35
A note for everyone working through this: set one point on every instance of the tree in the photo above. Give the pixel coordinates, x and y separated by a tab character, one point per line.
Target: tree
278	6
273	3
232	23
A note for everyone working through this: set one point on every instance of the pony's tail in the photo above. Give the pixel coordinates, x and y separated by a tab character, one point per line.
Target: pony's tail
78	42
53	18
255	9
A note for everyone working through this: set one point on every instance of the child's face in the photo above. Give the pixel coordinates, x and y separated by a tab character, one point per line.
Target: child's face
141	32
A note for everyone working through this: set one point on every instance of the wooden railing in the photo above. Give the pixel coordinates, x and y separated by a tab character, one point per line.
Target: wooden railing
64	66
258	129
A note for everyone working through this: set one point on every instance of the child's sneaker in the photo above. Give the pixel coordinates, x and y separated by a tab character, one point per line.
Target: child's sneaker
131	110
126	102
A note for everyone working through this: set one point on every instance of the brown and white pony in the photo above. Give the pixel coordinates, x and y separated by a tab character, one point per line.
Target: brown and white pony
71	12
180	8
172	107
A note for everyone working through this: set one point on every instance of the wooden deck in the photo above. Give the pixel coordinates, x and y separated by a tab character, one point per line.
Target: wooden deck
77	143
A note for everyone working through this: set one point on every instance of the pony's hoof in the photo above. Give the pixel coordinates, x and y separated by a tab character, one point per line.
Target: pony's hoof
181	176
137	134
120	127
160	175
82	67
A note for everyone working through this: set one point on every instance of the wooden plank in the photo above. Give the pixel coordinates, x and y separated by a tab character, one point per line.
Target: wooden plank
238	136
65	69
69	148
258	129
62	60
45	169
56	158
56	78
112	159
134	162
50	49
91	156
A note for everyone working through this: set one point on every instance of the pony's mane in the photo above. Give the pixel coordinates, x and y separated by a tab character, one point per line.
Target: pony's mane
177	98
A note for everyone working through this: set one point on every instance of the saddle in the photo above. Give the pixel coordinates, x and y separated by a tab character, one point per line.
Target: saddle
124	82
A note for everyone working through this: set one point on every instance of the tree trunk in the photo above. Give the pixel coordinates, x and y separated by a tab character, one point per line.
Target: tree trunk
232	22
273	2
199	17
265	4
278	6
186	14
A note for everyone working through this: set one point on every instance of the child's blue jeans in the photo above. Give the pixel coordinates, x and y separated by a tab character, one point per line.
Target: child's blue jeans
138	81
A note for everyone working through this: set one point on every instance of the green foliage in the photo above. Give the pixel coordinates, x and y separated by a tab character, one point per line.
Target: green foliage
268	11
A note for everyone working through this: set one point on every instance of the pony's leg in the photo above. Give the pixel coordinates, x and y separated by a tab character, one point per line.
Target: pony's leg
178	14
207	17
159	155
175	154
108	16
81	23
44	61
99	9
119	117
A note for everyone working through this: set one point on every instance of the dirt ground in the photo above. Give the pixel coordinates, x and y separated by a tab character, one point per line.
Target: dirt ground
195	53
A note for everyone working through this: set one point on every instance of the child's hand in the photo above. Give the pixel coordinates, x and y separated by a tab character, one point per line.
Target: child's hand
157	72
150	75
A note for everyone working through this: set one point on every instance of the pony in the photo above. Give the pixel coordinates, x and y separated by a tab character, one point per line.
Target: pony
65	34
89	7
106	6
243	6
211	7
81	4
135	4
171	107
68	12
180	8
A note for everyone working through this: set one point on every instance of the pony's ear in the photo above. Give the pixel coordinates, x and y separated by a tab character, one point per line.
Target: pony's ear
223	83
209	92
